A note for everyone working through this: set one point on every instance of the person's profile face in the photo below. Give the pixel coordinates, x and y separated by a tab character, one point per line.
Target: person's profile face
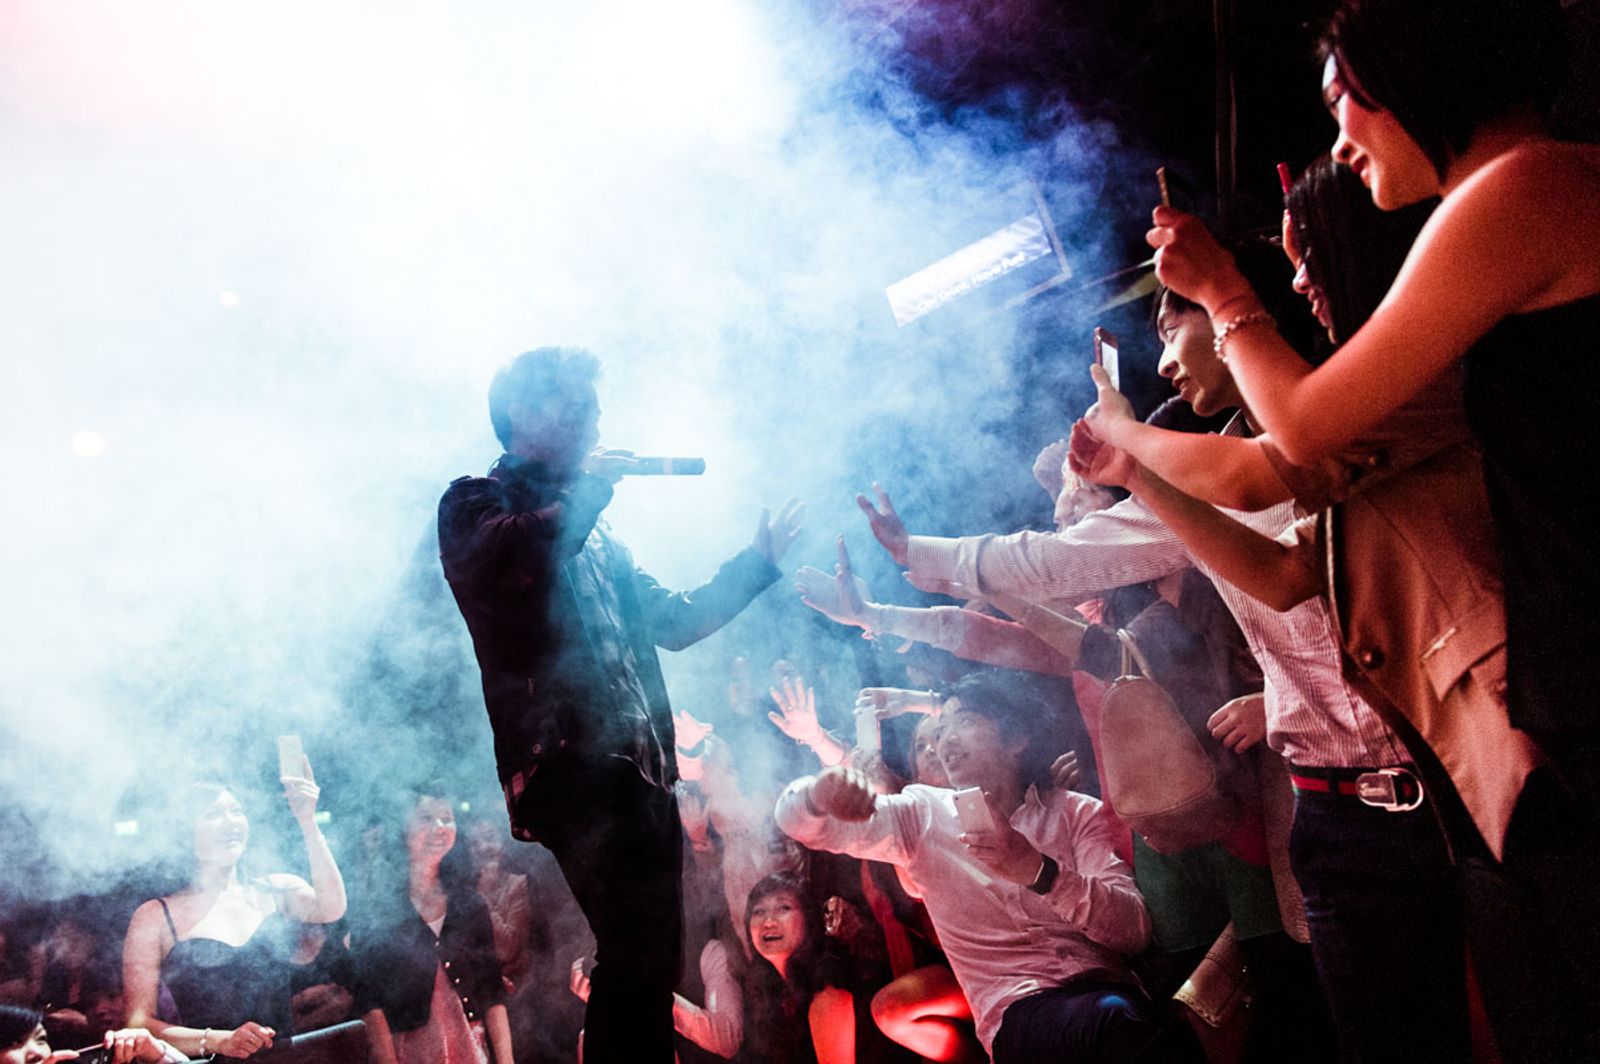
1302	283
926	768
1371	142
221	831
1190	362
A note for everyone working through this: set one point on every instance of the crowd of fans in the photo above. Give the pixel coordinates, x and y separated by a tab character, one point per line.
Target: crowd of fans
1339	788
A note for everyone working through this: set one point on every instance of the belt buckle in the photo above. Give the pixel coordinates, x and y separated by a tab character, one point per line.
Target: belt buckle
1382	789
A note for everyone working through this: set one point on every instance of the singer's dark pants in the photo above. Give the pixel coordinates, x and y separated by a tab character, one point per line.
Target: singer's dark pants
618	841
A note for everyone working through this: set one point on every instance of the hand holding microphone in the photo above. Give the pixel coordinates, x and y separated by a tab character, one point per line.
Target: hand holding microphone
616	464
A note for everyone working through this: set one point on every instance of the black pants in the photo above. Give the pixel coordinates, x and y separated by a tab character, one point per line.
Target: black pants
1384	904
1092	1024
618	841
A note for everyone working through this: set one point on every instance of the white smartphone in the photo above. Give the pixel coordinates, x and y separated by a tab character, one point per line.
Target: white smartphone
972	810
1105	354
291	757
868	735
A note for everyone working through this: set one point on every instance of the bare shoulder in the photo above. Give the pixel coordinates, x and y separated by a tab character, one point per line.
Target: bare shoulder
1552	185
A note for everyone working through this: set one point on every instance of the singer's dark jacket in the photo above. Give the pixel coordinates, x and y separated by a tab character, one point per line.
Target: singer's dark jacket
565	626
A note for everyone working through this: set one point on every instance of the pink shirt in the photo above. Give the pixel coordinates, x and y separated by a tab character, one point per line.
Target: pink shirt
1003	941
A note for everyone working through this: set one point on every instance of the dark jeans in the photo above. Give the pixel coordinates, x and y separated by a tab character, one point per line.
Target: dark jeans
1384	905
1102	1023
619	844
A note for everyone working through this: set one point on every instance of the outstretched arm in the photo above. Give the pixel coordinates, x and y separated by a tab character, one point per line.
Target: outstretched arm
1279	575
1224	470
1509	240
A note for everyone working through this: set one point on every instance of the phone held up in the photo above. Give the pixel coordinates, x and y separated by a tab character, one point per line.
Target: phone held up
1105	355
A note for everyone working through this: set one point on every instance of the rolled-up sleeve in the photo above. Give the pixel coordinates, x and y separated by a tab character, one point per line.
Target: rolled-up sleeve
719	1026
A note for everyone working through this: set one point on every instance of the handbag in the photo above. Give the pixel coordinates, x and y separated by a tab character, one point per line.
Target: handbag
1156	775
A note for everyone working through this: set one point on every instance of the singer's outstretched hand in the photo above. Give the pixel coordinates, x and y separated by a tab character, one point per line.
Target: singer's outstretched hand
886	524
775	535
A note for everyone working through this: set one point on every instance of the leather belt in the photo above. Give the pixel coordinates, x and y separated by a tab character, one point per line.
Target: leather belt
1396	789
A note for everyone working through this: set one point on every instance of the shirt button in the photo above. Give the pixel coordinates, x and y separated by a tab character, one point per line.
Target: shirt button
447	964
1371	658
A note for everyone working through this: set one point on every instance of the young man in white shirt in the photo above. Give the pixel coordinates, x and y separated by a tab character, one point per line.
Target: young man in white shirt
1036	915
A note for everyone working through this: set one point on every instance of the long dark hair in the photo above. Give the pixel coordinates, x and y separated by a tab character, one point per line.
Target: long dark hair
17	1025
1443	68
1352	249
776	1007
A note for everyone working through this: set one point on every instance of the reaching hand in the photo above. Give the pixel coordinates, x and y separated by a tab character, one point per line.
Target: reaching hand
689	731
842	598
894	701
302	792
775	535
886	524
1191	262
130	1044
610	466
843	793
1047	467
1099	462
798	706
1064	771
245	1040
1111	412
1241	723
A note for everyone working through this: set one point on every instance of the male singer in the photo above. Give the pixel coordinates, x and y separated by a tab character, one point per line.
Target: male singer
565	628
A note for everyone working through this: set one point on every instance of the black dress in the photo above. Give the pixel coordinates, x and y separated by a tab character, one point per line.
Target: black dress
221	986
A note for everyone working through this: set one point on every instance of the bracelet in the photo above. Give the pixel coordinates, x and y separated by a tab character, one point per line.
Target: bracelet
204	1038
1219	343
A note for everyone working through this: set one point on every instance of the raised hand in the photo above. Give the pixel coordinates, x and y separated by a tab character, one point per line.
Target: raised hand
1191	262
1099	462
302	792
1111	412
842	598
775	535
797	716
689	730
886	524
894	701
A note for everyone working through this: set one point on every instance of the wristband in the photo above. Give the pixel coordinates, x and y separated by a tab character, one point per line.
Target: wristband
1048	870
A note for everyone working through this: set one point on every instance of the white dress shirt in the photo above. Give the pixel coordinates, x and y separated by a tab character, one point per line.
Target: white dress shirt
1004	942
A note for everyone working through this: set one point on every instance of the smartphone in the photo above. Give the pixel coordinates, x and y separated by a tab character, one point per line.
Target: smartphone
1175	191
972	810
868	735
1166	188
1105	354
291	757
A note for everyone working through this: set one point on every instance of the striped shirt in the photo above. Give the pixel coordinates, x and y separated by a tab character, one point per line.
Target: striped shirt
1313	716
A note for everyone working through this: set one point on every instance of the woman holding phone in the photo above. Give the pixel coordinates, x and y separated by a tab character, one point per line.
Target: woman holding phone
221	944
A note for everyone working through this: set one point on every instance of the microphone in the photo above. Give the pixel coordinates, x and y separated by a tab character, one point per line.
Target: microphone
655	465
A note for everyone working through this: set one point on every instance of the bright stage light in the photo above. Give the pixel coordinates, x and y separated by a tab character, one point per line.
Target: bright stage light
229	299
88	444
